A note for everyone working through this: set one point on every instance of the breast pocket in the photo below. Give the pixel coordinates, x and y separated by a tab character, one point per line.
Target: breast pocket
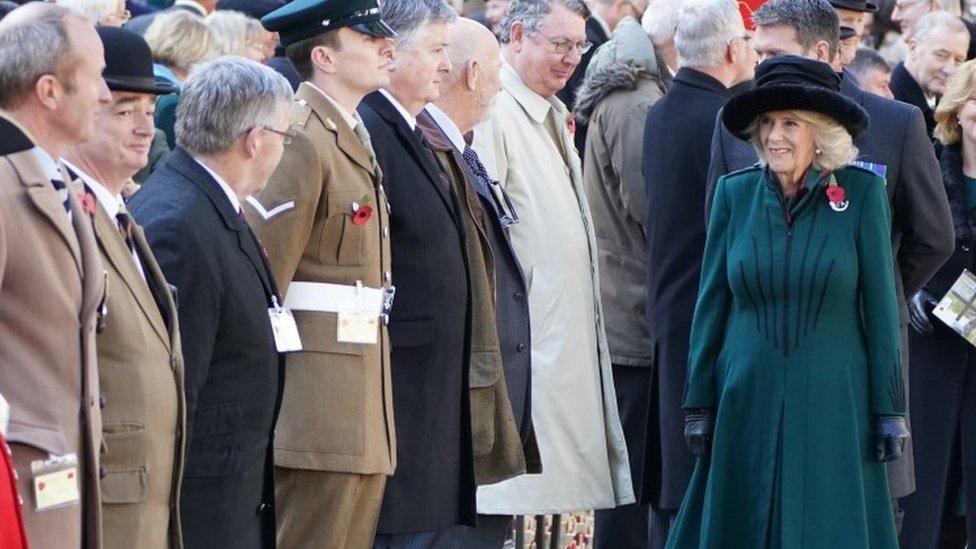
341	239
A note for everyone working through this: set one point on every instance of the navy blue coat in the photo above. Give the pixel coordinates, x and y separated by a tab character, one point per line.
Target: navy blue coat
922	233
675	167
234	374
430	325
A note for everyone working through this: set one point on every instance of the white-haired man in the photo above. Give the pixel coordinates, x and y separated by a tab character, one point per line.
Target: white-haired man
907	14
527	146
936	48
51	88
675	167
231	127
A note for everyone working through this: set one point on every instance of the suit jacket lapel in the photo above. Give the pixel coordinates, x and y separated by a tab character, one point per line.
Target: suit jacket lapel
114	249
186	165
157	284
333	121
423	157
46	200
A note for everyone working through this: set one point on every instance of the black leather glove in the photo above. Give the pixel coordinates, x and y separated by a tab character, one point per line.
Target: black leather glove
919	308
699	426
890	437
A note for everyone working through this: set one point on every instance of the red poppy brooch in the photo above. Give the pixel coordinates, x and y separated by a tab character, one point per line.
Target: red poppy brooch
87	201
361	211
836	197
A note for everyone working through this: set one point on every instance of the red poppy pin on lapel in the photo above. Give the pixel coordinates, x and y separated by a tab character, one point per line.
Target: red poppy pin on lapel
361	212
836	196
88	203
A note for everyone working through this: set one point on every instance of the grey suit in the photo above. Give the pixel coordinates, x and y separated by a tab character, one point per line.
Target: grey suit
922	237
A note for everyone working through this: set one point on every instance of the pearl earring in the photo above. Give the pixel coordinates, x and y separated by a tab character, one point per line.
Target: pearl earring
817	151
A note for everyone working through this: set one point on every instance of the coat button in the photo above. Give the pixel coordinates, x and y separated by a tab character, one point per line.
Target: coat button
102	401
518	296
966	248
264	508
386	232
521	347
102	473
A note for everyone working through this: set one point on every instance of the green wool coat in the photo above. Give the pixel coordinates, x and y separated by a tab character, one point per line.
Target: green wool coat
795	345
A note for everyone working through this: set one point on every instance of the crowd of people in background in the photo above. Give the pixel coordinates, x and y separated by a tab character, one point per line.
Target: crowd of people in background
396	274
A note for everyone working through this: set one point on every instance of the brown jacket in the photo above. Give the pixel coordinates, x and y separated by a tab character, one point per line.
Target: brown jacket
51	284
498	452
337	409
140	368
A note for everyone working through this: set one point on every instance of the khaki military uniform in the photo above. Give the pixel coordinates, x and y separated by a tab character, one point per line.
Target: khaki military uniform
335	441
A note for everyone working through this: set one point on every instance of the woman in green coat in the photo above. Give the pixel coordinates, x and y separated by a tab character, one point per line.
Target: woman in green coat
794	396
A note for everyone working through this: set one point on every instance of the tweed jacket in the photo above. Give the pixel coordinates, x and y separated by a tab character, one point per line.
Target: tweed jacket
140	369
526	146
51	285
337	409
498	452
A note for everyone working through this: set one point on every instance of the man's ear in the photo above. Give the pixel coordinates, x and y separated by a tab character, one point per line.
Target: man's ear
324	59
822	50
516	35
251	141
912	48
472	72
48	90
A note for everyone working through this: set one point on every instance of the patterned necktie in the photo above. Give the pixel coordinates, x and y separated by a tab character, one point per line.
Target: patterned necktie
62	190
481	174
125	226
491	189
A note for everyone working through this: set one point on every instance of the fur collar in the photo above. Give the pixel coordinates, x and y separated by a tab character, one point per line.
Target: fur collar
617	76
950	158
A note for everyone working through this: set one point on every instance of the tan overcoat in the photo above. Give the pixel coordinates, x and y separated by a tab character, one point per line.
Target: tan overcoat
140	368
51	284
337	409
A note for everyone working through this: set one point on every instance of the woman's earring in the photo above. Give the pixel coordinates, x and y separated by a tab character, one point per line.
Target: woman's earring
817	151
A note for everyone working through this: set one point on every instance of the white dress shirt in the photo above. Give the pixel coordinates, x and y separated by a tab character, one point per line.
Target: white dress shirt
231	195
411	119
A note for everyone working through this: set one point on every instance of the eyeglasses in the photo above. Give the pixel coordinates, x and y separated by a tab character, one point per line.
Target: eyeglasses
563	46
286	136
745	38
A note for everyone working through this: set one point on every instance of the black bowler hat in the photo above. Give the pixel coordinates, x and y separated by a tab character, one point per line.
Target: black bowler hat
303	19
854	5
787	83
129	64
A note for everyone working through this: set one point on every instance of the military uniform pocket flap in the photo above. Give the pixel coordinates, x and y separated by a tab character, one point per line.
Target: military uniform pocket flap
45	439
319	332
126	486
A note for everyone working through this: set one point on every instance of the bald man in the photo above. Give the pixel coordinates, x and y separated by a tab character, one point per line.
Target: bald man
467	94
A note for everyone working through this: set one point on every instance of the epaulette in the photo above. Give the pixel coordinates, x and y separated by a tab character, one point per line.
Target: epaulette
300	111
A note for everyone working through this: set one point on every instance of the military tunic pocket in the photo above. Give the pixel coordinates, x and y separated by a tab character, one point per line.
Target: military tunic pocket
125	486
341	241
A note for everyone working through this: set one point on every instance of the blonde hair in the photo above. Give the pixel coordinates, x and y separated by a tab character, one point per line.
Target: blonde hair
959	89
179	40
234	31
835	143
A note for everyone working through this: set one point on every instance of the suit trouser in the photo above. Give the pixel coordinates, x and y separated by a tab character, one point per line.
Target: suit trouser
491	533
51	529
628	525
327	509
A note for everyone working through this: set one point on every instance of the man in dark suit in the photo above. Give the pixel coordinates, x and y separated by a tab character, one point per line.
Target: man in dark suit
895	146
448	124
676	145
907	14
935	50
190	209
433	487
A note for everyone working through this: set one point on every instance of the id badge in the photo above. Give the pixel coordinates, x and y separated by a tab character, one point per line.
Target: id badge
284	328
357	327
55	482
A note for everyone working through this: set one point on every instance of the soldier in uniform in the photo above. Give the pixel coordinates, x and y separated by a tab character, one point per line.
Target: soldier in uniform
140	365
51	278
323	219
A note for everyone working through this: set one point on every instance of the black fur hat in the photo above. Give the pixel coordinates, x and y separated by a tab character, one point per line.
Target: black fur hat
789	82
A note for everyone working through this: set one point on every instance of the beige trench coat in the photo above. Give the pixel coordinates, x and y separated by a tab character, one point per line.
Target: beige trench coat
574	406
